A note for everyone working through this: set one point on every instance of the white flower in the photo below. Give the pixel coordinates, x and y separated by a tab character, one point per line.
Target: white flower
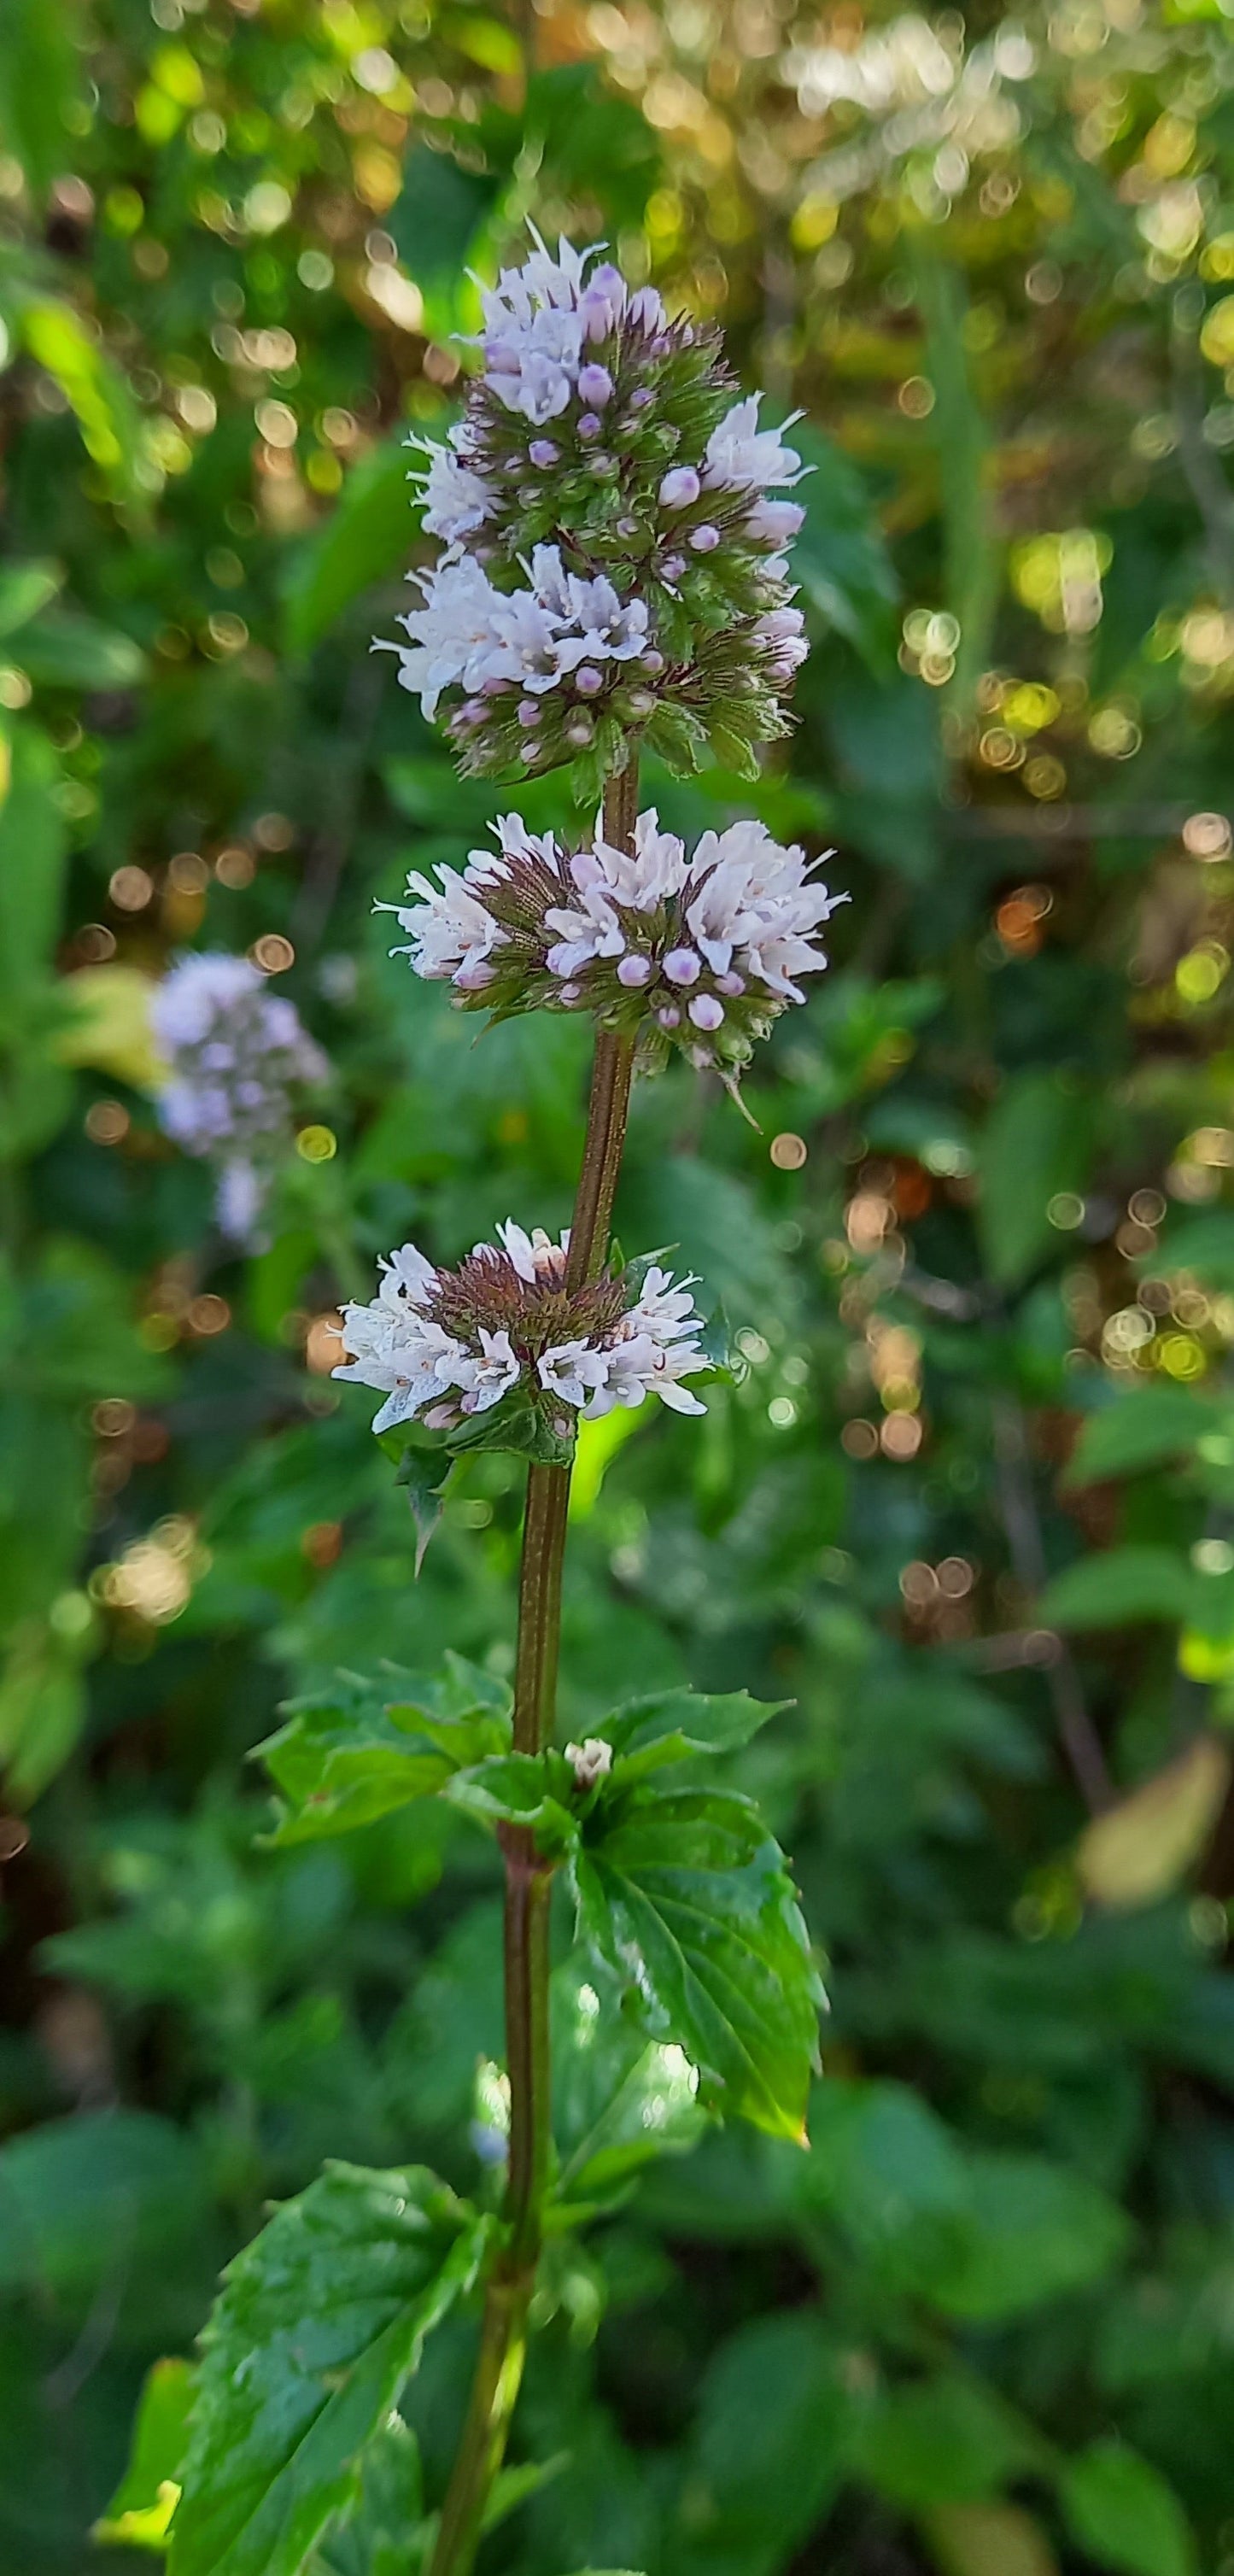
784	630
489	1377
741	456
456	499
610	629
536	327
407	1278
234	1051
589	928
451	1343
451	932
644	877
198	993
454	635
591	1760
535	1256
574	1371
403	1354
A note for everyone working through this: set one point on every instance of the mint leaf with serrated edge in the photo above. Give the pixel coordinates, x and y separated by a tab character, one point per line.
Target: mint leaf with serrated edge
686	1895
319	2323
674	1725
360	1748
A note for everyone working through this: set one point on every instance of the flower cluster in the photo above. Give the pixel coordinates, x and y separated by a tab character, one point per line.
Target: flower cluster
698	951
234	1051
613	563
503	1329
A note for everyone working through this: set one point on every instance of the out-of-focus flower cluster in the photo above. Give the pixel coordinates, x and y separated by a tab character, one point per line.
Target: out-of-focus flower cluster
504	1331
613	562
235	1052
699	951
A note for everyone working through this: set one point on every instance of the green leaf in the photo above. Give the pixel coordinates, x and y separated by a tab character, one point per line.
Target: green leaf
768	2451
686	1896
64	650
39	80
519	1789
24	589
1117	1585
619	2101
139	2514
1146	1428
94	389
1123	2514
319	2324
365	1748
671	1726
839	557
946	2440
1034	1145
376	2535
425	1474
76	2190
367	539
1031	2231
33	855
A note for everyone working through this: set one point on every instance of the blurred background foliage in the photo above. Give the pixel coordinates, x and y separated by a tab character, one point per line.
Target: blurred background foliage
970	1505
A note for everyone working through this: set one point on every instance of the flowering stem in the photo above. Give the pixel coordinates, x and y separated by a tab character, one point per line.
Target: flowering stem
529	1879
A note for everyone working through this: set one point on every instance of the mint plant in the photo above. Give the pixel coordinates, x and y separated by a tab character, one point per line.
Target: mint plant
605	439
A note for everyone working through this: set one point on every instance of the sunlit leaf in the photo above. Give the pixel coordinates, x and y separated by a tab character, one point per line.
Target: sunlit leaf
686	1896
319	2324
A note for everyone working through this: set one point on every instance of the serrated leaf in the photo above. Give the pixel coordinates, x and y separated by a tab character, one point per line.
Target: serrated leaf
671	1726
686	1896
139	2514
365	1748
377	2536
519	1789
320	2322
1124	2515
619	2101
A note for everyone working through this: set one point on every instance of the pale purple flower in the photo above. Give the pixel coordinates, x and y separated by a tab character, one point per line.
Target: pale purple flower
450	1344
235	1054
742	457
680	487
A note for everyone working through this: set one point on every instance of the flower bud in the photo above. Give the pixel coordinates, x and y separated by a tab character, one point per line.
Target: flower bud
588	681
679	488
590	1761
543	453
529	714
590	425
706	1012
704	540
682	966
633	971
595	387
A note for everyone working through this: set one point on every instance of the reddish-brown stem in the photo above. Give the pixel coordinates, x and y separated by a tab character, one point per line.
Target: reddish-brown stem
528	1878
